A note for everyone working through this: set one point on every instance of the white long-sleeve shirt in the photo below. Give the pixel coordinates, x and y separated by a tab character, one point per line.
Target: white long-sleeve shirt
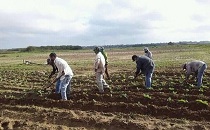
99	64
63	66
149	54
193	66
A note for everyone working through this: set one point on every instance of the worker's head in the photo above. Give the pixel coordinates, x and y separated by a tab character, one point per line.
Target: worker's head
101	49
52	56
184	66
134	57
48	61
96	50
146	49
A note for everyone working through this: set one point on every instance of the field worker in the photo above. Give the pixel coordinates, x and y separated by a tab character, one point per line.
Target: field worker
55	70
65	75
106	62
144	66
99	66
197	68
147	52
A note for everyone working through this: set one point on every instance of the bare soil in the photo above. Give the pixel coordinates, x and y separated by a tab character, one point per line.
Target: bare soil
25	103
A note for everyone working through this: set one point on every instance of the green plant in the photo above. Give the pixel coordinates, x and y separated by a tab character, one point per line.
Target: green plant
124	95
201	90
147	96
182	101
174	92
171	89
202	102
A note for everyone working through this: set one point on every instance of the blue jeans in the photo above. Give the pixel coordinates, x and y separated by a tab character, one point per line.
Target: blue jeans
200	75
64	85
57	87
148	78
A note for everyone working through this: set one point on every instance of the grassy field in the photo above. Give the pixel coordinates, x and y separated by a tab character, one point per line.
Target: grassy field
171	104
82	60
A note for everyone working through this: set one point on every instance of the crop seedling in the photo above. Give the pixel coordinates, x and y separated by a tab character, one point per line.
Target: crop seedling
182	101
192	85
174	92
139	104
160	89
147	96
171	89
124	95
201	90
205	87
163	83
202	102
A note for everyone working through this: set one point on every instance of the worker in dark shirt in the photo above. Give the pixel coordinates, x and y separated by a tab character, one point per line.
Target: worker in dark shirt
145	66
55	70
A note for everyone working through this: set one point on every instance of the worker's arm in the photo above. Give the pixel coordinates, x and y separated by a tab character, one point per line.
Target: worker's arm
150	54
188	72
105	56
54	70
97	62
60	71
194	75
57	78
138	69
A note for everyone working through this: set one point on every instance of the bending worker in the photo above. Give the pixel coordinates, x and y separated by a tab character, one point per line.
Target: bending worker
65	74
144	66
196	68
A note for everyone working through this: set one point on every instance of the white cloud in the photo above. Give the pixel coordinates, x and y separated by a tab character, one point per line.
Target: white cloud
82	22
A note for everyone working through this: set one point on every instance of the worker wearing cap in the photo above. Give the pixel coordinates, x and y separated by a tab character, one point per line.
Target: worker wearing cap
196	68
99	67
55	70
147	52
106	62
65	74
144	66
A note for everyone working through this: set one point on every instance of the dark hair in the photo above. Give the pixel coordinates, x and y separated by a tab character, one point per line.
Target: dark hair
52	54
48	61
134	57
96	49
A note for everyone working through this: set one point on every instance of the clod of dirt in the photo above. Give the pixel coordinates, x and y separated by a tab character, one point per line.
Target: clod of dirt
199	127
135	126
7	125
54	96
17	124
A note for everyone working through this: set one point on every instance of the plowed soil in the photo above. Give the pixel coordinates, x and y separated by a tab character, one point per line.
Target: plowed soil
26	103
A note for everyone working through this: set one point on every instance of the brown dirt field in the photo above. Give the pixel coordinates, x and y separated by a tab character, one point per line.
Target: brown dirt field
26	105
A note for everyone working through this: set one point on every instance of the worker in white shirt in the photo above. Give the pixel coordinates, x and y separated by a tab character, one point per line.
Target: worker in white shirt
99	67
65	74
196	68
147	52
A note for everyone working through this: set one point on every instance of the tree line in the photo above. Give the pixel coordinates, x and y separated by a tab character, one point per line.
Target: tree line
46	48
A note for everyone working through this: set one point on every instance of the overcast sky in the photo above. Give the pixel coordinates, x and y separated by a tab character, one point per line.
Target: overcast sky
102	22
